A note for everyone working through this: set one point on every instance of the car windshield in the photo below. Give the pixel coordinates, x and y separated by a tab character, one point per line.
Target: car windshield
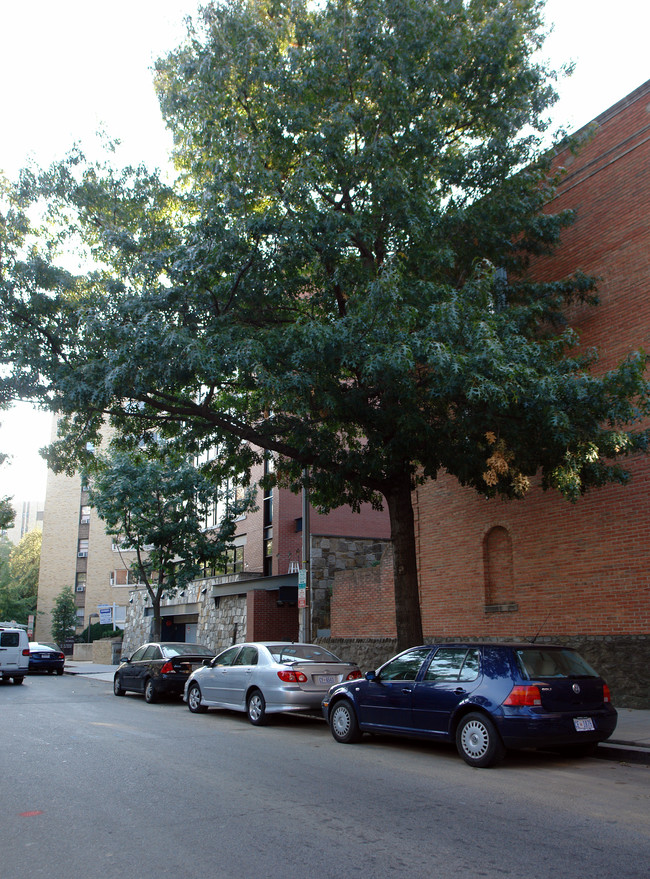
306	652
186	650
542	663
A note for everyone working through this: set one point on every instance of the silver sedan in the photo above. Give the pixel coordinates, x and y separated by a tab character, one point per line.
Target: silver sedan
265	678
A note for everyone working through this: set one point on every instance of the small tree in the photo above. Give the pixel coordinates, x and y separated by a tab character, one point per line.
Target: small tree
156	503
64	616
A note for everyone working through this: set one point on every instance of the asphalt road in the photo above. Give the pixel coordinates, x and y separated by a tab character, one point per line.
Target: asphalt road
96	786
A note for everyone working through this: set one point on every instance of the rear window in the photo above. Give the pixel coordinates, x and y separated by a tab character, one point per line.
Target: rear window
543	663
309	652
9	639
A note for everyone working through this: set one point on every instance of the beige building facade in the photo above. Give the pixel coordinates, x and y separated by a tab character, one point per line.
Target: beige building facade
77	554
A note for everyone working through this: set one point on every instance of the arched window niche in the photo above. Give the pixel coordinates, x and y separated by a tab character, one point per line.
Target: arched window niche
498	571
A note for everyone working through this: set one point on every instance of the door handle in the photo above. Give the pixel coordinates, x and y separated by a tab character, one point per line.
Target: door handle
459	691
407	689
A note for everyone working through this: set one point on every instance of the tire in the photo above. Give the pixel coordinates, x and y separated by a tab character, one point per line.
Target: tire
478	741
117	686
17	680
343	723
194	700
150	695
59	671
256	708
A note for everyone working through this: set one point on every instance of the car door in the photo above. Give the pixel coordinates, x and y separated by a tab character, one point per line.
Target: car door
236	678
451	676
213	683
385	701
128	672
146	667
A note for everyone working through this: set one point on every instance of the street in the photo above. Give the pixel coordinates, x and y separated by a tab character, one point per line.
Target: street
99	786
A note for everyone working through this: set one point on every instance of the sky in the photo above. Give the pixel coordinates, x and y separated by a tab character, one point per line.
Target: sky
73	67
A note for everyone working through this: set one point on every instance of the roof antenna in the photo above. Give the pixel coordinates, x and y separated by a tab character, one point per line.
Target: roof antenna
540	628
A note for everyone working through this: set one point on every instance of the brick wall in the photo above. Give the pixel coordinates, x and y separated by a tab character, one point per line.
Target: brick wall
267	621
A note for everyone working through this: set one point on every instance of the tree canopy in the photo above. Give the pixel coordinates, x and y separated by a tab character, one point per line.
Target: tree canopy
19	570
340	274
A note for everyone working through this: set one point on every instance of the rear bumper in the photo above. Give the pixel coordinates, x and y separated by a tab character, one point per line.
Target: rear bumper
538	731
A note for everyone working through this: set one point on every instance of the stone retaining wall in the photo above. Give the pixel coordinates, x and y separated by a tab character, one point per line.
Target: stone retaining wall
624	662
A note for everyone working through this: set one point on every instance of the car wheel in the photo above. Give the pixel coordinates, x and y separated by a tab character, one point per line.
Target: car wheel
256	708
150	694
343	723
194	700
59	671
478	741
117	686
17	680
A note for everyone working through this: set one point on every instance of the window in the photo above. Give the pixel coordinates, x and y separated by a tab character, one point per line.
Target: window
84	515
406	666
9	639
123	577
82	549
247	656
453	664
227	657
152	652
80	617
139	653
80	581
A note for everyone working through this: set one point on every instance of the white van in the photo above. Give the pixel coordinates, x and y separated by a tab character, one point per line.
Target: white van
14	654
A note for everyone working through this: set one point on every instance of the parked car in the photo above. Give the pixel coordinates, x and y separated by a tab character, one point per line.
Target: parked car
14	654
263	678
484	697
45	656
159	669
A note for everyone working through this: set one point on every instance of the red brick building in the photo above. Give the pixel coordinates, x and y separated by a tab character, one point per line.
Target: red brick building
576	573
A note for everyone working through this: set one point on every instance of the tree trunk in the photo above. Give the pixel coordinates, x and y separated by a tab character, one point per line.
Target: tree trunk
157	627
408	618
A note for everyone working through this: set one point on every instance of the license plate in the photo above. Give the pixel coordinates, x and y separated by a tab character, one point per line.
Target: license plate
327	679
583	724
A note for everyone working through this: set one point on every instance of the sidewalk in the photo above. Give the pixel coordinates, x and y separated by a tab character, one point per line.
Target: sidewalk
630	742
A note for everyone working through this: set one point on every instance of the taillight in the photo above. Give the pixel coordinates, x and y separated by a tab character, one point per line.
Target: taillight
167	668
292	677
353	675
61	655
526	695
607	696
26	651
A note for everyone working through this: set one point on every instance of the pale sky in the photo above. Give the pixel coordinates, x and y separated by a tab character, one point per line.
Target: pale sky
71	67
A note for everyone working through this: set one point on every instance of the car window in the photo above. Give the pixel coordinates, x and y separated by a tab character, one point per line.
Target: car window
139	653
227	657
152	652
404	667
539	662
453	664
246	656
9	639
308	652
183	649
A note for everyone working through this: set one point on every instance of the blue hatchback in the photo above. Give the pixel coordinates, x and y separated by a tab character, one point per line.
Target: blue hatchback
485	697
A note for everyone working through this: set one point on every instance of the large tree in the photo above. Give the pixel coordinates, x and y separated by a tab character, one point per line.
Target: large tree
340	274
157	504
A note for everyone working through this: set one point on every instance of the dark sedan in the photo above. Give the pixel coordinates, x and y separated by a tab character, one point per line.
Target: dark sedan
45	657
484	697
159	669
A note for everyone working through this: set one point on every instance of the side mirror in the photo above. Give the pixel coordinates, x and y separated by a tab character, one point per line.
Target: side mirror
207	661
125	659
371	676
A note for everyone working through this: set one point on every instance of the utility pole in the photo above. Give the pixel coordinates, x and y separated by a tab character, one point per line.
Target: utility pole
304	631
